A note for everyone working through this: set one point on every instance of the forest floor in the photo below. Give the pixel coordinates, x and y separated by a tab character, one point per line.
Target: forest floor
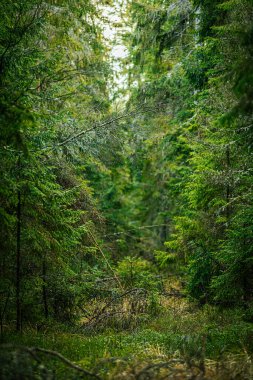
182	341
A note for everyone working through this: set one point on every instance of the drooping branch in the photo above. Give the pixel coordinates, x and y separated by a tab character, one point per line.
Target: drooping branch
136	229
99	126
85	131
104	256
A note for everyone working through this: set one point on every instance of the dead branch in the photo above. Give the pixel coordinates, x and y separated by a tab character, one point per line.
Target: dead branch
103	311
105	258
34	350
151	370
97	126
145	372
135	229
174	293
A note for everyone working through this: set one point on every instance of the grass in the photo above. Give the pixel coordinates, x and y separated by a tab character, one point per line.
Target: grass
182	330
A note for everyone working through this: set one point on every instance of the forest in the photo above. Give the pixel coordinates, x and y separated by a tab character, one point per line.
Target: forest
126	189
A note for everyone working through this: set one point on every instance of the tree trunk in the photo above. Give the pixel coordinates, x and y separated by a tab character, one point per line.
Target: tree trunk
228	190
3	312
18	265
44	289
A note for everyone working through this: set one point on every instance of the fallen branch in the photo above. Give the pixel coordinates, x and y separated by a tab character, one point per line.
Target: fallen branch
144	373
174	293
176	367
103	311
33	350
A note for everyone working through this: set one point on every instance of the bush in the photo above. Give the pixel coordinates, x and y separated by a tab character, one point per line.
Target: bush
135	272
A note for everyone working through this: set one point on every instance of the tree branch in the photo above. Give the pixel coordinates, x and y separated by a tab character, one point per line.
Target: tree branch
94	127
33	350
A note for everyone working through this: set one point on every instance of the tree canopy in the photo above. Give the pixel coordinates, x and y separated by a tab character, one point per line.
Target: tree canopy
121	170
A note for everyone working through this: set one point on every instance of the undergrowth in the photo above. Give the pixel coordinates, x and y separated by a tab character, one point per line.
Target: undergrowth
182	337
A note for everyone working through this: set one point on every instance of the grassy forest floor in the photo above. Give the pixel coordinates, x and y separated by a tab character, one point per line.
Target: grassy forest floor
179	341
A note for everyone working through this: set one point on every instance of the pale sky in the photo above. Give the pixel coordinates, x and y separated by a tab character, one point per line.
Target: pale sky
112	32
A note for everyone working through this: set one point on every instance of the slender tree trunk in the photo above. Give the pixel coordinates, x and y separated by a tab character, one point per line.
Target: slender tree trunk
3	313
44	288
18	265
228	190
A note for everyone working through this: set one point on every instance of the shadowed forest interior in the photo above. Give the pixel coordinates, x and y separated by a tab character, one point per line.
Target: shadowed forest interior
126	189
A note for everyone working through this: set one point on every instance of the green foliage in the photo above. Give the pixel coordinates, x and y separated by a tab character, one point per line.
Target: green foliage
196	165
178	334
53	76
137	272
87	206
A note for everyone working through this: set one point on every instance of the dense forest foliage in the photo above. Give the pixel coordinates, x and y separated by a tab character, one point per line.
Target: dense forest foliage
194	61
126	205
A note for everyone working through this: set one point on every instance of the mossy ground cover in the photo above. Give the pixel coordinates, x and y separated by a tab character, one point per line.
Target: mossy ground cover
182	331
